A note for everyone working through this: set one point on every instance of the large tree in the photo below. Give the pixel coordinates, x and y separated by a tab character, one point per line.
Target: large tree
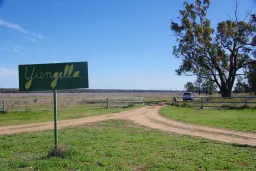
189	86
251	77
208	86
241	86
198	84
218	54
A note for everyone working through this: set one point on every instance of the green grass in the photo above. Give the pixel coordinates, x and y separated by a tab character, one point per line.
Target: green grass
14	118
121	145
242	120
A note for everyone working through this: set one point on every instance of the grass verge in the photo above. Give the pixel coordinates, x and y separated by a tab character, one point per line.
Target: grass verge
121	145
14	118
240	120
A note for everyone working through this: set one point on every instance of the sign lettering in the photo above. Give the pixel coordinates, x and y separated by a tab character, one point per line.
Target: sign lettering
53	76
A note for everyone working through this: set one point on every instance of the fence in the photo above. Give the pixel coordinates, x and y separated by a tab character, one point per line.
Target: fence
2	106
37	104
221	102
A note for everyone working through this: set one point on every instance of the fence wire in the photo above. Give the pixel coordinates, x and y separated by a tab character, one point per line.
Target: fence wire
37	104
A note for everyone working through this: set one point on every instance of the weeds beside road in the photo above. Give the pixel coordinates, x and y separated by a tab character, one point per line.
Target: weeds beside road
15	118
240	120
122	145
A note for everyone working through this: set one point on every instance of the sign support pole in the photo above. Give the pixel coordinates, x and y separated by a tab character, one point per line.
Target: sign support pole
53	77
55	119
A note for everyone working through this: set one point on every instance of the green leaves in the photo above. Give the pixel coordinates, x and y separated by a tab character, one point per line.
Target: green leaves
189	86
219	54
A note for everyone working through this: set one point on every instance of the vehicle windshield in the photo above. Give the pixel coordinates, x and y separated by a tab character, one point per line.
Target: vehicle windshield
188	94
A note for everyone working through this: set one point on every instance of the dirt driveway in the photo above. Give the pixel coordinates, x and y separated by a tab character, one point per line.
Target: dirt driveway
148	117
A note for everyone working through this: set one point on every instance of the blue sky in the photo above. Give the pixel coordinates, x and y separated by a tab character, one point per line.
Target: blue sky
127	43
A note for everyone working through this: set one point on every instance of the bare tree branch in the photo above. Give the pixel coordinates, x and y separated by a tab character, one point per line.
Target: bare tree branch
248	13
229	17
236	10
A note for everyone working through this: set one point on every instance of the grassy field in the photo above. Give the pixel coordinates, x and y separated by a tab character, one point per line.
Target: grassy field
148	96
243	119
121	145
13	118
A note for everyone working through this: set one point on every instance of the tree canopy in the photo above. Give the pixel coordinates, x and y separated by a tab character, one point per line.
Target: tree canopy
251	77
215	54
189	86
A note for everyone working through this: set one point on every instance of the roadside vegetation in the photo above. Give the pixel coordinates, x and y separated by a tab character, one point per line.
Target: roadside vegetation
23	117
121	145
234	119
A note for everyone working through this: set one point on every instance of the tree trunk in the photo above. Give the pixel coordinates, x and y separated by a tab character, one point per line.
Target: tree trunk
225	92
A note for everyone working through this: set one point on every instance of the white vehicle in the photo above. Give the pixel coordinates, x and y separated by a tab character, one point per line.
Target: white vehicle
188	96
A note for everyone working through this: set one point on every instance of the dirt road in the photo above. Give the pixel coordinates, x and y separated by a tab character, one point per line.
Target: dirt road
146	116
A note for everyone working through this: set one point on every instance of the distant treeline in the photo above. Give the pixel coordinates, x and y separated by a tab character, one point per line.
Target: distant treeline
15	90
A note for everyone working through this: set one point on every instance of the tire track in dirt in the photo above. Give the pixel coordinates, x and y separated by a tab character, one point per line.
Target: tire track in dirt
146	116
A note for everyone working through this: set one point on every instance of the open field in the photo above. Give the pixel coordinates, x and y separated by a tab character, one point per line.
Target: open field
122	145
44	101
140	139
23	117
147	116
217	102
71	101
148	96
241	120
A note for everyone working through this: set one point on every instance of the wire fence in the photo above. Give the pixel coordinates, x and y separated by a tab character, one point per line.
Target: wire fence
219	102
38	104
2	105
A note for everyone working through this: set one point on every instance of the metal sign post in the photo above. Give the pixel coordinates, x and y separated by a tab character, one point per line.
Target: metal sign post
56	76
55	119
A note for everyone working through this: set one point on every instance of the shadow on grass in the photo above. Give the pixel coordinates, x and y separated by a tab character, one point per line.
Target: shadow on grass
60	152
222	107
242	145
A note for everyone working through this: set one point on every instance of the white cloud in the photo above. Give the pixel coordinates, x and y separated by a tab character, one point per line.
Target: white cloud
18	51
31	39
19	28
5	72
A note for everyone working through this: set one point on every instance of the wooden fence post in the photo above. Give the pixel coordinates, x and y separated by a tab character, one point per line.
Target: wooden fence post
65	104
2	109
4	105
107	103
246	102
142	100
202	106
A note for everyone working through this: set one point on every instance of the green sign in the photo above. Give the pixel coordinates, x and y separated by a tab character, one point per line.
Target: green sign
56	76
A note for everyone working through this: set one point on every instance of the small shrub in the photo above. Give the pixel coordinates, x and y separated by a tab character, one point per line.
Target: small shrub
58	152
4	112
186	105
226	106
129	105
171	104
230	107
